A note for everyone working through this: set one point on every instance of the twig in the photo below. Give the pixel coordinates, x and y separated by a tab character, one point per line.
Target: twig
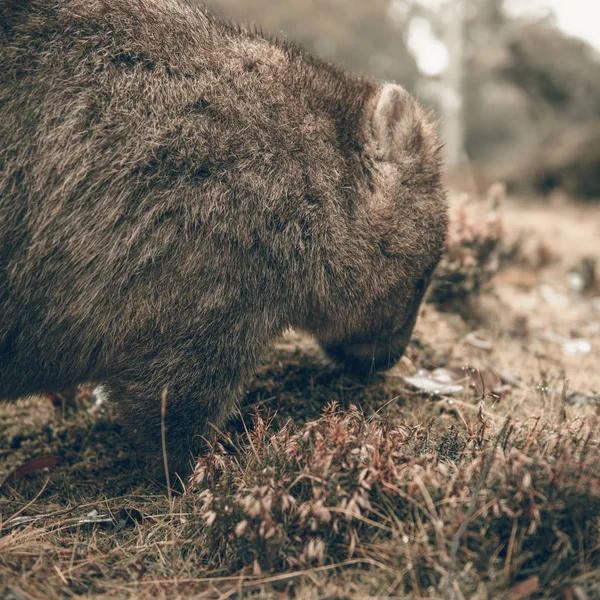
465	524
163	437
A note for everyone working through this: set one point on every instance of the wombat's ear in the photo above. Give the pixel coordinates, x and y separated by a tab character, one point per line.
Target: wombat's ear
397	121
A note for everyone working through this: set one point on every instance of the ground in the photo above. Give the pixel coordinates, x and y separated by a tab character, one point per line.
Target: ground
328	485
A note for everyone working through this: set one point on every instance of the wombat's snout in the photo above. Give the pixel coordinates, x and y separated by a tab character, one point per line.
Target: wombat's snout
377	354
369	356
383	350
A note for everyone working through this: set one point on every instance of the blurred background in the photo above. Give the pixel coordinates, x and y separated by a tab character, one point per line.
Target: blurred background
516	83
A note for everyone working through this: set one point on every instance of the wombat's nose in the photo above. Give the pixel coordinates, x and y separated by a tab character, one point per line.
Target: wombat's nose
372	355
379	353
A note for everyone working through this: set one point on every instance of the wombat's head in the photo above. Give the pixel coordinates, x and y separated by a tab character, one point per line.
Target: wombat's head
404	221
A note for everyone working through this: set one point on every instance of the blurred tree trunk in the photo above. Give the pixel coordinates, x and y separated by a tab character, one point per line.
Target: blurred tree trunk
453	93
492	13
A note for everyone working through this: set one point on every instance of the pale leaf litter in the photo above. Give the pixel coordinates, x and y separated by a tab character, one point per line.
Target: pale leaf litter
569	346
479	340
450	381
576	283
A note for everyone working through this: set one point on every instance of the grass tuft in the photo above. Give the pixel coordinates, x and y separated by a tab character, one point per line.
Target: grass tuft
343	487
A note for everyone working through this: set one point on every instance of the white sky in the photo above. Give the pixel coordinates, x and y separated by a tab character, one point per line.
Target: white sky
579	18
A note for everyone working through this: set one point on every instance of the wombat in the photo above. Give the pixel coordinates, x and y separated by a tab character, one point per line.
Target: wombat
176	191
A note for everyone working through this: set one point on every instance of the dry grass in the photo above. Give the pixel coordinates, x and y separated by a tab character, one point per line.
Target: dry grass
345	487
326	485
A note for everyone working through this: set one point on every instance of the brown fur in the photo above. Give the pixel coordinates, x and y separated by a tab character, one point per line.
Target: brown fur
175	192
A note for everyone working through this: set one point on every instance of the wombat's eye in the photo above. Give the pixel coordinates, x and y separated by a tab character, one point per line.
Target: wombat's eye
421	287
427	276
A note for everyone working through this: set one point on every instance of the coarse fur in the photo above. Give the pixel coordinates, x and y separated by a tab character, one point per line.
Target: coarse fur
176	191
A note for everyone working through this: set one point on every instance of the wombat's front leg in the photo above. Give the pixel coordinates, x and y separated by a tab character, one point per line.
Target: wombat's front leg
197	394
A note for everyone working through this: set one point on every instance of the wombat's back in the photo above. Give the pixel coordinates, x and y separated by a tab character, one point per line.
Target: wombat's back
154	159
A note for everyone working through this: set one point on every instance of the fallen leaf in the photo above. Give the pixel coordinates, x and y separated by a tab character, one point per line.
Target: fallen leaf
486	382
425	384
483	381
554	298
439	382
37	464
572	347
478	340
451	380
